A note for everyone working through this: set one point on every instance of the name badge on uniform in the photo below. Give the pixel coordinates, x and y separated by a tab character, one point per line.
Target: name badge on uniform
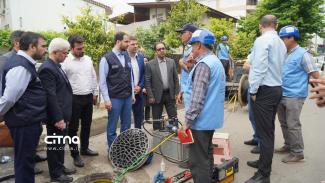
115	66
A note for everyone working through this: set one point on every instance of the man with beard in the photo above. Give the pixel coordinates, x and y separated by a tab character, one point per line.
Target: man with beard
82	77
23	103
116	85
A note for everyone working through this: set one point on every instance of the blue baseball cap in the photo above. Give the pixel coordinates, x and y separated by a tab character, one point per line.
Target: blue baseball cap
187	27
203	36
289	31
224	38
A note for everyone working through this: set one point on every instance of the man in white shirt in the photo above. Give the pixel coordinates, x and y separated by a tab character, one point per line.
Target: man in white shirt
137	63
82	77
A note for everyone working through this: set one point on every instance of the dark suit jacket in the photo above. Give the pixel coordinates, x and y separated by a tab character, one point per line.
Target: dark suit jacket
140	60
59	92
153	80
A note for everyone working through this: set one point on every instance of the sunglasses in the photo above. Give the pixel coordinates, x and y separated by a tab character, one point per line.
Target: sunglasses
160	49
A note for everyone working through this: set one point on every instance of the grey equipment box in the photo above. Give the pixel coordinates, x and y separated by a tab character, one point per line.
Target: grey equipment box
172	148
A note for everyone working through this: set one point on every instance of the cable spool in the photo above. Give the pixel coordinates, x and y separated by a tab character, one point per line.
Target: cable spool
128	147
242	90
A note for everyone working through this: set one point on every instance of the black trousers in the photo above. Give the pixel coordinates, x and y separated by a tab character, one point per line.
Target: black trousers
170	105
201	156
137	109
264	109
226	66
25	143
82	109
55	151
146	107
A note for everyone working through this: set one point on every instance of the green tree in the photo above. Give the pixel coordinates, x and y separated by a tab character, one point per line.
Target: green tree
5	38
91	27
148	37
49	35
242	44
307	15
185	11
239	42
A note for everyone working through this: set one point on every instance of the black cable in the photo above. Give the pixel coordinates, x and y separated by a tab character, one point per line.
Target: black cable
168	158
6	177
144	122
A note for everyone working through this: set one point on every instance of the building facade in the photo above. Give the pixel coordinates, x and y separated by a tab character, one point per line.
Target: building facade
44	15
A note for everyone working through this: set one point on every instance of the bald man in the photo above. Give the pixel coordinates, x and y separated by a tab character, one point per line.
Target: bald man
265	80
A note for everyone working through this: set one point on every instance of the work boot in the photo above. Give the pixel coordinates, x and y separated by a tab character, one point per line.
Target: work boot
291	158
77	161
282	150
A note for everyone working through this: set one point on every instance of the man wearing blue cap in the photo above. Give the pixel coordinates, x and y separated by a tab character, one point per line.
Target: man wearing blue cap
298	67
186	63
185	34
224	56
204	98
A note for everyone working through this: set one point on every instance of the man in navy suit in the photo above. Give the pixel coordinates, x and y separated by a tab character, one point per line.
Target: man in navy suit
137	62
59	107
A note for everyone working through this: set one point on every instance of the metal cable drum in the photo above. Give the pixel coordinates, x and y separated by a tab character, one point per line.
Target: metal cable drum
242	90
128	147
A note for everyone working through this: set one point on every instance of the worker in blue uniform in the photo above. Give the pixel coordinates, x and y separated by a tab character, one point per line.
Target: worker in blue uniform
185	35
204	104
224	55
299	65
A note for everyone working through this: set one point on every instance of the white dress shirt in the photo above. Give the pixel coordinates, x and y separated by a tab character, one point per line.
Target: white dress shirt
81	75
135	69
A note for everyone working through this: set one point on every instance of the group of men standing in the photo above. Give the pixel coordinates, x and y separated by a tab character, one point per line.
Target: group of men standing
64	89
56	95
279	74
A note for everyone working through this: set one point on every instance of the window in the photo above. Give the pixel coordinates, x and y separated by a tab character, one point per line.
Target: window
251	2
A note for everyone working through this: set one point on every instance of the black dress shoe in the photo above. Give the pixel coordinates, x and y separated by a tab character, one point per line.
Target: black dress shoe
77	161
69	171
251	142
258	178
253	164
89	152
40	158
62	179
37	171
256	150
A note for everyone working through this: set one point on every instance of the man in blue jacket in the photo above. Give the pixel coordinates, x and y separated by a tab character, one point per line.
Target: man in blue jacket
296	71
204	104
137	62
